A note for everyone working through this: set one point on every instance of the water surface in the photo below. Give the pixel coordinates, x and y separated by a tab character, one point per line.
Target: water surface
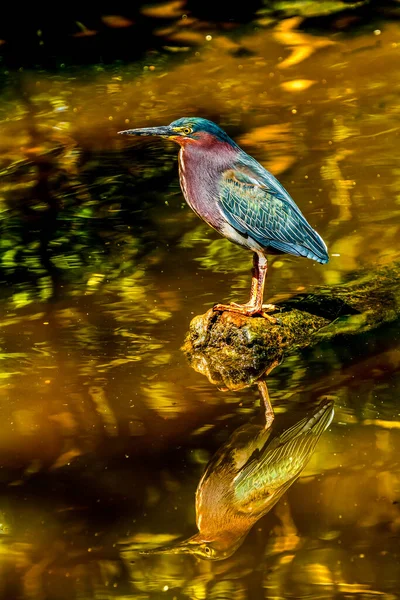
104	429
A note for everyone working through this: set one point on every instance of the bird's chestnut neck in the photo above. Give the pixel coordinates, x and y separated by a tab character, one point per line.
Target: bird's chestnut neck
208	152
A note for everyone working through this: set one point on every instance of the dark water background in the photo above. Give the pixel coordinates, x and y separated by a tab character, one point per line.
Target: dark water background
104	428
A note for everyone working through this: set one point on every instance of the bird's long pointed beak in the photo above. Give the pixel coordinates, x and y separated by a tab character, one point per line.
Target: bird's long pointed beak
185	547
163	131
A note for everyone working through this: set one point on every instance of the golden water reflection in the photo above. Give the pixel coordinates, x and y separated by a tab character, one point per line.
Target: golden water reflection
245	478
105	431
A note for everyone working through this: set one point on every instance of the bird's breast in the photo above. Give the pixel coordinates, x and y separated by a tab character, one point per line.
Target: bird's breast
199	181
200	176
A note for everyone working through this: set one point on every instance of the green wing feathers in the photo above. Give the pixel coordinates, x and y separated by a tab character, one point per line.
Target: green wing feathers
282	460
264	212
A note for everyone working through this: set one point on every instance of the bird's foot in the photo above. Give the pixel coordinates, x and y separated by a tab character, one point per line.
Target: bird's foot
248	309
270	308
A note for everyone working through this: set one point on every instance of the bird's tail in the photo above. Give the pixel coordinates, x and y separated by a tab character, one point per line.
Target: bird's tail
312	247
314	424
319	249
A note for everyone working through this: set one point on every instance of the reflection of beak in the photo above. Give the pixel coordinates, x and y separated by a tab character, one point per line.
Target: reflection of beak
186	547
163	131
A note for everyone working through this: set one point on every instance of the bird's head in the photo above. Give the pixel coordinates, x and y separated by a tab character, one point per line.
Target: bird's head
185	131
198	546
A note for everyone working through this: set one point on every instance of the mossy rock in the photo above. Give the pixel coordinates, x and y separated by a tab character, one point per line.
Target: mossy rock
233	350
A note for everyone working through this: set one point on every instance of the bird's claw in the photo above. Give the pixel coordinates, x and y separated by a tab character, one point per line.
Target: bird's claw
270	318
267	308
222	307
270	308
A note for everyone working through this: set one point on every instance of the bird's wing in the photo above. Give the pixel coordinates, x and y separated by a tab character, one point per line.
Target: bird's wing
264	477
233	455
216	484
256	205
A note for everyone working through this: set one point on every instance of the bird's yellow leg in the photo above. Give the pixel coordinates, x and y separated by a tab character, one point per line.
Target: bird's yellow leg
255	305
269	411
257	282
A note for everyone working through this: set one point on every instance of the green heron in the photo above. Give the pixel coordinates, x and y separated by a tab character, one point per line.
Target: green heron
245	479
240	199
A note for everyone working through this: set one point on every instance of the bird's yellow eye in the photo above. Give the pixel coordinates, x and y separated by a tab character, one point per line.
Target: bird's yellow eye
207	550
187	130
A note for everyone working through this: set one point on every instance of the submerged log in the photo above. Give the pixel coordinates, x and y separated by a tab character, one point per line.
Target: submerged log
234	351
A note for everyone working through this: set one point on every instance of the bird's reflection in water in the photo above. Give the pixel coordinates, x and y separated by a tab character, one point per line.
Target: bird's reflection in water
245	479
